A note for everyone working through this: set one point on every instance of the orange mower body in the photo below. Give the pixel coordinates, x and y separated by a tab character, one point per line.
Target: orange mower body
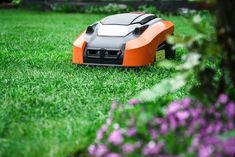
129	40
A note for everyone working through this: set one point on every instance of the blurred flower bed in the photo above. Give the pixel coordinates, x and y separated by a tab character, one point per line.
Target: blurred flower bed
188	128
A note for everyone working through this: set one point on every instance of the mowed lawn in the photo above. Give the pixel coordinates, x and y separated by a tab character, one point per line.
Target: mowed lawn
48	106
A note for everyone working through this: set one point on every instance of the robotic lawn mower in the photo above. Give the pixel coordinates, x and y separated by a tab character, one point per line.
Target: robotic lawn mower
129	40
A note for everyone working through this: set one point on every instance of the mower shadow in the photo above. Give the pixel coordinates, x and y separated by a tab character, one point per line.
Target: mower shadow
119	68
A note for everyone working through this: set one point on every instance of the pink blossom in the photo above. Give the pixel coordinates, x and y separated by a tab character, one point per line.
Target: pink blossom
173	107
158	120
164	128
128	148
116	137
152	148
205	151
195	113
104	128
186	102
173	122
109	121
195	143
223	98
101	150
92	150
182	115
131	132
229	147
133	102
153	133
113	155
218	126
230	125
230	110
99	135
114	105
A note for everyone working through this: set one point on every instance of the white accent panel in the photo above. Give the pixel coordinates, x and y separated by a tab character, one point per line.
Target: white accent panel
115	30
121	30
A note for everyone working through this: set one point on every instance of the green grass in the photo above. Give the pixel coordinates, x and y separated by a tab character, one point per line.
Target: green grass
48	106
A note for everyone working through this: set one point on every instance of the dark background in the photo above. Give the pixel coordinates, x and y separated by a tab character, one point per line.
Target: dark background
161	5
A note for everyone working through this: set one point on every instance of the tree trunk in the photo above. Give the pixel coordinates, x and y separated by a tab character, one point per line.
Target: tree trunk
226	36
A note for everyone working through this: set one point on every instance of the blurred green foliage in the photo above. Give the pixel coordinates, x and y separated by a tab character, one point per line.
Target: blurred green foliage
111	8
203	54
16	1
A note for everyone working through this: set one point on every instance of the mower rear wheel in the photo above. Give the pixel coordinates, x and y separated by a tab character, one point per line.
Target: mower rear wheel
169	51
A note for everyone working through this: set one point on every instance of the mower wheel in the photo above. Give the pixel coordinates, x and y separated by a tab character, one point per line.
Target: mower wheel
169	51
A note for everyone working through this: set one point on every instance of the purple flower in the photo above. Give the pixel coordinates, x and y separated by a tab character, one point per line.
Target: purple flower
218	127
158	120
209	129
164	128
186	102
189	130
101	150
116	137
217	115
113	155
195	143
131	132
173	107
195	113
173	122
92	150
212	110
152	148
182	115
128	148
114	105
211	140
223	98
153	133
230	125
99	134
109	121
134	102
104	128
205	151
229	147
230	110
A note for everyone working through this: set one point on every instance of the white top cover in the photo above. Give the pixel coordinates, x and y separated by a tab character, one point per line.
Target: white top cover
120	30
115	30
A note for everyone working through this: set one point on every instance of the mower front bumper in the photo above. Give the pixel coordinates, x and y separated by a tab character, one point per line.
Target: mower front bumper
132	57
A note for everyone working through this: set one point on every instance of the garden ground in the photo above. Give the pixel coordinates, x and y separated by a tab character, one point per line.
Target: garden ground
48	106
